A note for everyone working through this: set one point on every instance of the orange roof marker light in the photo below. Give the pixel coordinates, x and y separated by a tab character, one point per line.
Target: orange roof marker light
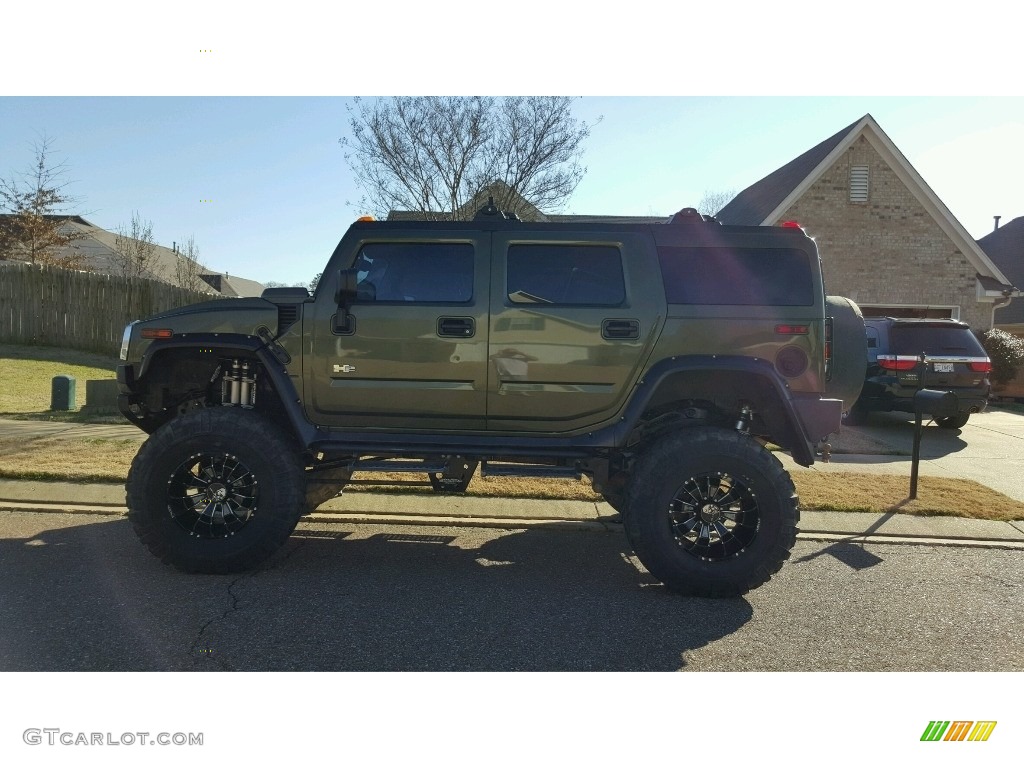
365	218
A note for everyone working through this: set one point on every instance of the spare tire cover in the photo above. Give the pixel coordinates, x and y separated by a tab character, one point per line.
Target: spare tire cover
849	350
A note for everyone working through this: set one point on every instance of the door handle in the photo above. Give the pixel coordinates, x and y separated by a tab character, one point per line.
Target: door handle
620	329
456	327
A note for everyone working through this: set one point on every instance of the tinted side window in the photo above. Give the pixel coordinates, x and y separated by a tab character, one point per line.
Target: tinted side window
415	272
745	276
565	274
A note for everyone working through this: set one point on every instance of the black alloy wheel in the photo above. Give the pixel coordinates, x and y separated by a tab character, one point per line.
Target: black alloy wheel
714	516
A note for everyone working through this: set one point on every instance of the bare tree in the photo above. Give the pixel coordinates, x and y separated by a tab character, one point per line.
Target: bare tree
187	269
34	228
134	250
714	201
434	155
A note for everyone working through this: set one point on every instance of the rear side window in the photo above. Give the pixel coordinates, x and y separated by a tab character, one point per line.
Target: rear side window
935	341
415	273
743	276
588	275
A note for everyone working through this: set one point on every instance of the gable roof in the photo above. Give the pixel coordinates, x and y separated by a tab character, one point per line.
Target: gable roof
765	201
1005	246
754	205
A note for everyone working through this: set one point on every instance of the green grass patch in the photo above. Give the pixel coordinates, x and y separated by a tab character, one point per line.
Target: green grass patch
26	375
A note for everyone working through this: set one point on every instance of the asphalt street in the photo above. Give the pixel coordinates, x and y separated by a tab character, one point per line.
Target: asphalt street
80	593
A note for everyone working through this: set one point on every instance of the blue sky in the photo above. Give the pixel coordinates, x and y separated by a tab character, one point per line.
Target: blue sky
279	186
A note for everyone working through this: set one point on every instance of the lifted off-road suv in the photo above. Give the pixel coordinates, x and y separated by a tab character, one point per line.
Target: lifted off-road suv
655	359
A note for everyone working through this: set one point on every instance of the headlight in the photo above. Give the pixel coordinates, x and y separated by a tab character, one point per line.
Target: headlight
127	337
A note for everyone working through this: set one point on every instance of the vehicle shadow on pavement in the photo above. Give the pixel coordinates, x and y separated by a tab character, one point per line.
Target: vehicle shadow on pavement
89	597
896	430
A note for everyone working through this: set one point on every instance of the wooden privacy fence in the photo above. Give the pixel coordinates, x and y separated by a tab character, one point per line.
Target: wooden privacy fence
79	310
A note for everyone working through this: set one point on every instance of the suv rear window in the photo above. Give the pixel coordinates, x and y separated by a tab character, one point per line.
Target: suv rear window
745	276
934	341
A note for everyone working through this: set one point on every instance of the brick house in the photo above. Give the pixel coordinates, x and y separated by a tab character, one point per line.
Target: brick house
1005	246
885	238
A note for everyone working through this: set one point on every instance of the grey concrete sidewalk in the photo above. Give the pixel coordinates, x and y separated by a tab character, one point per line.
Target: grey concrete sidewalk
430	509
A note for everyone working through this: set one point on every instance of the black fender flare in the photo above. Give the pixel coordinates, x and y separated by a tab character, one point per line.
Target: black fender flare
809	418
304	431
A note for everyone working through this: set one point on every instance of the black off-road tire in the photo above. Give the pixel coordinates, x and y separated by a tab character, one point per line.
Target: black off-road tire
954	422
216	490
719	482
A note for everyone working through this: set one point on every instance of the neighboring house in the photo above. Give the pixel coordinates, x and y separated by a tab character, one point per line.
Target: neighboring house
98	248
1005	246
885	239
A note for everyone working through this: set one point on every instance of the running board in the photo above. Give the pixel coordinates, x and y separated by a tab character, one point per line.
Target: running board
490	469
398	465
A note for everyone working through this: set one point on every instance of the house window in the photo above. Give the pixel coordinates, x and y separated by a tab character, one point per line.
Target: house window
859	184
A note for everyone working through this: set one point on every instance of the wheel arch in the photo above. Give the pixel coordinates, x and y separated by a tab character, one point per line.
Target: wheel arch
210	348
728	382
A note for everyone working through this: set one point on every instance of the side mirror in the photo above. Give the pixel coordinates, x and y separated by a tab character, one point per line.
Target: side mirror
345	295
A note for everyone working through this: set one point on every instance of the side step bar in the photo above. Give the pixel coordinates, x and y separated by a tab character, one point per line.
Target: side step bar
492	469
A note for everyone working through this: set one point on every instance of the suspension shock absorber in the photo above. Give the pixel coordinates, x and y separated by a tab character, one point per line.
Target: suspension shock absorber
247	391
743	423
231	386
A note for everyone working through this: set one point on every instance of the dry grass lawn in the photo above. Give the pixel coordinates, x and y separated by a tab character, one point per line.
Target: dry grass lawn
96	460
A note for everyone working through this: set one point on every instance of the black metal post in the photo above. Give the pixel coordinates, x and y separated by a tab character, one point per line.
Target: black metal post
916	456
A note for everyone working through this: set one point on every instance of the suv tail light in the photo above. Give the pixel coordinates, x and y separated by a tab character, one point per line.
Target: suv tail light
897	362
980	366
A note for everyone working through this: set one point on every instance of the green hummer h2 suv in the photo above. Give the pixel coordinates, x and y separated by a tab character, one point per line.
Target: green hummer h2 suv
657	359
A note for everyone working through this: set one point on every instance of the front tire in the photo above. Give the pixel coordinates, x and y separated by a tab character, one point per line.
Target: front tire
710	512
216	490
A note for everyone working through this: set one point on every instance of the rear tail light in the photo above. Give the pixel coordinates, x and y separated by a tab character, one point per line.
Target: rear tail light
897	362
981	366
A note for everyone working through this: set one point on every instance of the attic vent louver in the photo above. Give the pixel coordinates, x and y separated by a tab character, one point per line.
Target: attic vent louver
859	184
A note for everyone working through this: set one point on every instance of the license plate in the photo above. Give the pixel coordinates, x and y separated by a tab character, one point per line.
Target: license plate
943	367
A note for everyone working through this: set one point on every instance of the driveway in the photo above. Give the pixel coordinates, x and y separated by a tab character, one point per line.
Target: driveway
989	449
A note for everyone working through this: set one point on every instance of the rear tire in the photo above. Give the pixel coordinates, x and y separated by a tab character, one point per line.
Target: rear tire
216	490
954	422
857	416
710	512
